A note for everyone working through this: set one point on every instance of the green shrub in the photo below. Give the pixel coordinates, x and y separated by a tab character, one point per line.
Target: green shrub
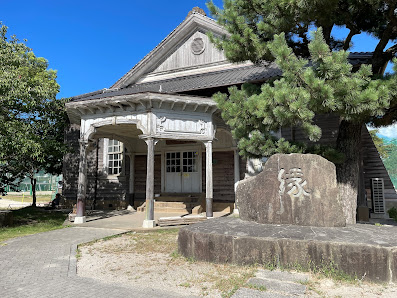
393	213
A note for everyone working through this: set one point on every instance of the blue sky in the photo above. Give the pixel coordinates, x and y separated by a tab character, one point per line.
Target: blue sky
93	43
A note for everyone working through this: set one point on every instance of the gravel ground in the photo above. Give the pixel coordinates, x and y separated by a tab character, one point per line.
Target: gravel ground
126	261
5	204
136	263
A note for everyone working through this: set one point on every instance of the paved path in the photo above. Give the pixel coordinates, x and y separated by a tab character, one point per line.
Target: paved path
44	265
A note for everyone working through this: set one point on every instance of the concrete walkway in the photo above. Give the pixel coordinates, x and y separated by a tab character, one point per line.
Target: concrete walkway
44	265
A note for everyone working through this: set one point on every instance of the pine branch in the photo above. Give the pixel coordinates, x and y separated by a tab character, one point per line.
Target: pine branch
378	57
348	39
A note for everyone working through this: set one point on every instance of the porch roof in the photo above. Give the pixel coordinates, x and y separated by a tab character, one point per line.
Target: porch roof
113	103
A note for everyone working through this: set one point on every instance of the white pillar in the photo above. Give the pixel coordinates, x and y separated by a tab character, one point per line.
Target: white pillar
236	168
208	179
236	175
149	217
82	183
132	179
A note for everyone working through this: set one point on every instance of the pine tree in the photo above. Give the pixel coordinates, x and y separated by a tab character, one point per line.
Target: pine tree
317	77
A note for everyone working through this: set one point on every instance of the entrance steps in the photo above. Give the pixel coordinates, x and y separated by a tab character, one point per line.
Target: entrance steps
174	204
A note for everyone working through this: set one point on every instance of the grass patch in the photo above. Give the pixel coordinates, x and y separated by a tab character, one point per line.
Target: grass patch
30	220
257	287
327	269
393	213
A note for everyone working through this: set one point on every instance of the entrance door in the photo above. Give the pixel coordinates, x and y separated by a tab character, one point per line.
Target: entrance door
181	172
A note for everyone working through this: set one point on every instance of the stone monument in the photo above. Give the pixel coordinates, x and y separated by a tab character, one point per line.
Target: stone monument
298	189
291	216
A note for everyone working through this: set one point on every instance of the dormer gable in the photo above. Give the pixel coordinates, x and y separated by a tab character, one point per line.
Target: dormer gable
186	48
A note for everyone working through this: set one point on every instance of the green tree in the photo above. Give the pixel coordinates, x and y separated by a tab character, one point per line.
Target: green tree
32	120
317	77
391	161
384	148
388	152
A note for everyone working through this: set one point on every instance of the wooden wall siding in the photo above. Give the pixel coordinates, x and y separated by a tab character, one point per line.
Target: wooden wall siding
184	57
373	164
71	163
243	167
140	175
101	144
115	189
223	175
329	125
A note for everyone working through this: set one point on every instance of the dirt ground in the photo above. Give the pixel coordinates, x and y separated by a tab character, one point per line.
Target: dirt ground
140	259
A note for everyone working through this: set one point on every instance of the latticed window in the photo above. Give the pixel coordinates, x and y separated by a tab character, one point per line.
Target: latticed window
115	157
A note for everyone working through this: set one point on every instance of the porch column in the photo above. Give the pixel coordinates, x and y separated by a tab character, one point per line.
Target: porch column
149	217
82	183
208	179
236	169
236	176
132	180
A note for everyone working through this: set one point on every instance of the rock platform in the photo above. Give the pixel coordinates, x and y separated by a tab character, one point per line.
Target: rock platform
366	251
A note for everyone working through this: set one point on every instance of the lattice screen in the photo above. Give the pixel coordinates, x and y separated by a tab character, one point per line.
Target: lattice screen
378	196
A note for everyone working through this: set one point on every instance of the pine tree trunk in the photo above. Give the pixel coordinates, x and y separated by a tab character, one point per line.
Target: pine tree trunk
349	143
33	182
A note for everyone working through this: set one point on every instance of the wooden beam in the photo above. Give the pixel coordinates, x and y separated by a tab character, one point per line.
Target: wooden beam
213	109
140	101
90	109
100	108
121	107
195	107
172	105
184	106
82	111
132	105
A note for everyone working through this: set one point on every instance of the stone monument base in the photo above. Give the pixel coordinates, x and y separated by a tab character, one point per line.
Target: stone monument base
366	251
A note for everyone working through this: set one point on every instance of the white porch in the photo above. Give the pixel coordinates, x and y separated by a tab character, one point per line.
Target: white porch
145	122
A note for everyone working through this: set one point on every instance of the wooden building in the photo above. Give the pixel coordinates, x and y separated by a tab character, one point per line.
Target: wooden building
157	134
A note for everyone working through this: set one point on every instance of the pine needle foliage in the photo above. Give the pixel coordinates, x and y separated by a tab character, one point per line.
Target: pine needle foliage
317	77
322	84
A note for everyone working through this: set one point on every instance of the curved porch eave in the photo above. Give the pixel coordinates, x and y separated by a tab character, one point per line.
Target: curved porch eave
139	102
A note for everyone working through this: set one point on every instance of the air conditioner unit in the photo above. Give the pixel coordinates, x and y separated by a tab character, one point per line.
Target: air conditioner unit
378	195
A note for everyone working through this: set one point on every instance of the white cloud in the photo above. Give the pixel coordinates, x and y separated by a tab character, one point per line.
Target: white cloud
389	131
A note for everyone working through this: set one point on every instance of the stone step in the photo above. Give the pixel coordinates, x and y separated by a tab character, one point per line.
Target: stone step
174	204
170	206
166	210
177	199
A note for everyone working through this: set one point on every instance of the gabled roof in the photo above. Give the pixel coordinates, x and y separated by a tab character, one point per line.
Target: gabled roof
193	22
227	77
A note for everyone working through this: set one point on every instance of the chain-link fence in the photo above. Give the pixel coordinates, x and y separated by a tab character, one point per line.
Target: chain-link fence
44	182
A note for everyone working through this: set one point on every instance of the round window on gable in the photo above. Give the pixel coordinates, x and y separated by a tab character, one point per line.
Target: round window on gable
198	46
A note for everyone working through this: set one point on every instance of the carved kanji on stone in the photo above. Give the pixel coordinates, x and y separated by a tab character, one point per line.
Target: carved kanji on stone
294	181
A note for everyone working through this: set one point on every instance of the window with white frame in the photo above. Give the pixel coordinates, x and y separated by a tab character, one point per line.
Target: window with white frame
115	157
